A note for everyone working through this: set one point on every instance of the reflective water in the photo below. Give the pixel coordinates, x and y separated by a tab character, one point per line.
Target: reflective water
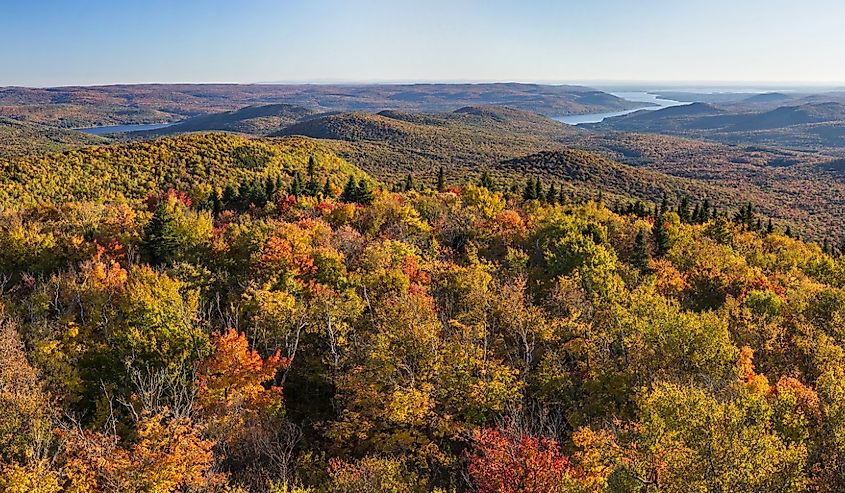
636	96
119	129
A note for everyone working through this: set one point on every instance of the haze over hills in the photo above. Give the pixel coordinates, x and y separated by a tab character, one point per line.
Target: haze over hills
815	126
152	103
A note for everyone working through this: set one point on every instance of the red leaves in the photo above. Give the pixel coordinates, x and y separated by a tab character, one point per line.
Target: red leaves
505	462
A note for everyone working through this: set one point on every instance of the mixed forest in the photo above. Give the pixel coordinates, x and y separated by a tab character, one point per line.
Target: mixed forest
221	314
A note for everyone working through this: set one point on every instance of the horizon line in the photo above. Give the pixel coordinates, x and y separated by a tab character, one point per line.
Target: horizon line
548	82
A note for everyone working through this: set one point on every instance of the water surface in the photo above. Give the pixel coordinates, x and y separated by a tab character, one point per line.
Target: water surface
120	129
657	103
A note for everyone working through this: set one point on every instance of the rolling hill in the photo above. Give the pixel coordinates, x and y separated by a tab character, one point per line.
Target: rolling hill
21	138
133	171
156	103
815	126
785	184
253	120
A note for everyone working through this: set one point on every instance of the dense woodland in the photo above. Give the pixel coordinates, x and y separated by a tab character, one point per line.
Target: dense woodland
280	322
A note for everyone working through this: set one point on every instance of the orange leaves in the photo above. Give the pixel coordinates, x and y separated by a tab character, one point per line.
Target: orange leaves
168	455
234	377
758	384
505	462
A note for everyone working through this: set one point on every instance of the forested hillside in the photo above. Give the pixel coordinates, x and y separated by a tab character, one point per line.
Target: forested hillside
305	337
19	138
133	171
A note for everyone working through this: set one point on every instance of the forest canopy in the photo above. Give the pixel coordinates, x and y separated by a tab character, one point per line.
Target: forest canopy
259	316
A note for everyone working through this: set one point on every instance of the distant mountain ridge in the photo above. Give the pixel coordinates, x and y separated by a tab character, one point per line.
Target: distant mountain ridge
156	103
813	126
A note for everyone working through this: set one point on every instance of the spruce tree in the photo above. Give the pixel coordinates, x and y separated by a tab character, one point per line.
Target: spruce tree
664	206
530	191
538	190
216	202
683	210
312	187
409	183
350	191
704	215
295	188
363	193
661	236
485	181
551	195
640	256
160	241
327	188
230	195
270	187
770	227
441	180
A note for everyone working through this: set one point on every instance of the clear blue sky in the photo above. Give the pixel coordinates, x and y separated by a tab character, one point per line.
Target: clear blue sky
60	42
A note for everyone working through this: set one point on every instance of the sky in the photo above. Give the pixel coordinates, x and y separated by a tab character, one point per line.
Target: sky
85	42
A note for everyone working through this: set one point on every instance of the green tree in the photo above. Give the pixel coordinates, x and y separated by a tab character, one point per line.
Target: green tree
364	193
312	187
640	256
295	187
160	240
350	191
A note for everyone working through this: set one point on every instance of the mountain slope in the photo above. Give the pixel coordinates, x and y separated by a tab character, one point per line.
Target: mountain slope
255	120
576	169
784	184
133	171
21	138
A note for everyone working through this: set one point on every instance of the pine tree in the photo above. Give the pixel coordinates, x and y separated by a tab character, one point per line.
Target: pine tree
295	188
270	188
551	195
485	181
683	210
350	191
640	256
696	215
661	236
364	194
160	240
530	192
216	202
441	180
664	206
538	190
230	195
720	231
327	188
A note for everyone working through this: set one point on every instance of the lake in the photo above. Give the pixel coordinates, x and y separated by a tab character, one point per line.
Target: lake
637	96
120	129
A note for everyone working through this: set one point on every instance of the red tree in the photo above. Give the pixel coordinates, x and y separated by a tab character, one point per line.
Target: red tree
516	463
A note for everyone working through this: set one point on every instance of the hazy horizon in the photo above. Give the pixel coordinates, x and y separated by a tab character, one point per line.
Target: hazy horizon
95	42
